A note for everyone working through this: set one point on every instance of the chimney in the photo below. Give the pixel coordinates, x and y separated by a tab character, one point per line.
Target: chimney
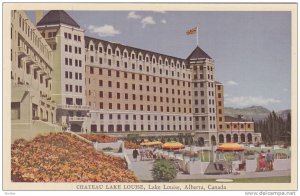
39	14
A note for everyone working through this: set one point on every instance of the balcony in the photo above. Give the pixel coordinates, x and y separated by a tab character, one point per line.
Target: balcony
77	118
21	52
51	40
29	60
43	72
73	107
47	77
36	66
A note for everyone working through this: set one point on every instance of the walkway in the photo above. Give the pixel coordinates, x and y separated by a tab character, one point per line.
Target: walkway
142	170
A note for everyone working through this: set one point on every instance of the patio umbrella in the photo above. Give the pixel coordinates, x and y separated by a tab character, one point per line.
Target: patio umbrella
173	145
154	143
230	147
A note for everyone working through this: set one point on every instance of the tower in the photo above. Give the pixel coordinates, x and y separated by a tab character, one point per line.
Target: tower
66	39
203	97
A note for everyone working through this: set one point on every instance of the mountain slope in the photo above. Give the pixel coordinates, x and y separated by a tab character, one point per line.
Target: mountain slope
254	112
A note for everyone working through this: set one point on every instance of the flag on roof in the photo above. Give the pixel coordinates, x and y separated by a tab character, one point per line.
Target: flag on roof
191	31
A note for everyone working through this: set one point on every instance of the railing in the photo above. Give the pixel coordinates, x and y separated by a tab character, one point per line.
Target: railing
77	118
21	51
52	40
80	107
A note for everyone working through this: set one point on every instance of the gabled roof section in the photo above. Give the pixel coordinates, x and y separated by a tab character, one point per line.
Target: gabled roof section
129	49
198	53
57	17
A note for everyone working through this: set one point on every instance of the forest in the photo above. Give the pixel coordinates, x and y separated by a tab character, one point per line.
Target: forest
275	129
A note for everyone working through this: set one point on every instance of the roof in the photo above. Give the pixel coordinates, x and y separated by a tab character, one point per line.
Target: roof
128	48
233	119
218	83
198	53
57	17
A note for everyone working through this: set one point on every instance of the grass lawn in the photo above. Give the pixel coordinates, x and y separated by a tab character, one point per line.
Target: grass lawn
281	179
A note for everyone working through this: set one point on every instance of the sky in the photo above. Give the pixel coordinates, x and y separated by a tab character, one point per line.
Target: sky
252	50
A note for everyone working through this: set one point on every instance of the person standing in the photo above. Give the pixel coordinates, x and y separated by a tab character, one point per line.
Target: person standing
135	154
142	153
270	159
262	161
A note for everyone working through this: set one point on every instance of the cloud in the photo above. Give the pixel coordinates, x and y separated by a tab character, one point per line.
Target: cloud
163	21
232	83
133	15
147	21
104	31
243	101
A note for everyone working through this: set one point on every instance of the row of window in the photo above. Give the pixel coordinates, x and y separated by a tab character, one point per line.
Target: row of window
201	84
210	101
140	67
140	57
68	61
133	87
209	68
141	77
69	75
68	48
119	128
203	127
141	97
69	36
148	117
32	36
211	110
141	107
210	93
69	88
235	126
201	77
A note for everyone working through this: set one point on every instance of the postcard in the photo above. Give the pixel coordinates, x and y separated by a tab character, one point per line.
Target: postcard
151	97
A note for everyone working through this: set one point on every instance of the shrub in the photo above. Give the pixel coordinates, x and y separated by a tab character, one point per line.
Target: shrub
107	149
164	170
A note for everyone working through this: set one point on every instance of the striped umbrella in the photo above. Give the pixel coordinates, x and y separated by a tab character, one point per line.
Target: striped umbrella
230	147
173	145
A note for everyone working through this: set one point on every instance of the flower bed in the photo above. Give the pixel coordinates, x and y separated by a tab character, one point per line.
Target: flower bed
61	157
131	145
99	138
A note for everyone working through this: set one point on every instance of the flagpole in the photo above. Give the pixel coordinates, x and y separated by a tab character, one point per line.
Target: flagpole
197	37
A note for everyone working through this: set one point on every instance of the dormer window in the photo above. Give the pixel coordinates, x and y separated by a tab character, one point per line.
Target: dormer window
100	49
91	48
109	51
132	56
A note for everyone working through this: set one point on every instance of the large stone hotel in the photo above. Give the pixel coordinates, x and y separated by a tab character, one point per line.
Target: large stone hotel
62	78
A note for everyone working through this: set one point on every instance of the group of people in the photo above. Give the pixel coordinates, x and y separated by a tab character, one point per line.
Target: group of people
266	161
144	153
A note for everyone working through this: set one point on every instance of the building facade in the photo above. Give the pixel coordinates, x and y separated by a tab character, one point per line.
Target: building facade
32	104
66	39
92	85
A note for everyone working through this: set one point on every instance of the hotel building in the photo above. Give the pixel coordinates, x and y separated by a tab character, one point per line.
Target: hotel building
32	106
110	88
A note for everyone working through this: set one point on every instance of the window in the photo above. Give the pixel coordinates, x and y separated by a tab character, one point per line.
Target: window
66	61
100	60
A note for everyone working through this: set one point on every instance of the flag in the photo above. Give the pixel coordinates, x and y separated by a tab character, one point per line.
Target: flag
191	31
